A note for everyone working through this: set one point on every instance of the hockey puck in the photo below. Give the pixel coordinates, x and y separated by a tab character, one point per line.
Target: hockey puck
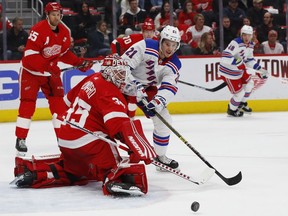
195	206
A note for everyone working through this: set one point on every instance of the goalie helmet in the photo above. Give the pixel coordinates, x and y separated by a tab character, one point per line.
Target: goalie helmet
53	6
116	70
170	33
246	29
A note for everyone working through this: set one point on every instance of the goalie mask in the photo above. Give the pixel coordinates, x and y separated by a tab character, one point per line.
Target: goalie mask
116	70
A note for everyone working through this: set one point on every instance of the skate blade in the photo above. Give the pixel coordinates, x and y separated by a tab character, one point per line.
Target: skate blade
128	192
17	178
20	154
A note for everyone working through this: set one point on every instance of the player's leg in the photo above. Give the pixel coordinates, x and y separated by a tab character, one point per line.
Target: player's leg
161	137
238	92
43	172
29	87
248	84
54	93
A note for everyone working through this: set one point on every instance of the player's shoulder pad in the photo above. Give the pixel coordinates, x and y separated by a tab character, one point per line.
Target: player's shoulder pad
176	61
153	44
238	40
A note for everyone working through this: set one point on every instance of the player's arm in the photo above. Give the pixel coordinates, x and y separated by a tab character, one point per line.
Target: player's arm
229	55
33	58
122	128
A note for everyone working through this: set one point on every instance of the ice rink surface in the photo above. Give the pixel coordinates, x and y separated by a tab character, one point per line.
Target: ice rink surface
257	145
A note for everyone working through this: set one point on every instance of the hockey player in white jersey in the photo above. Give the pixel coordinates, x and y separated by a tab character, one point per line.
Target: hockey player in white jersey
155	69
236	58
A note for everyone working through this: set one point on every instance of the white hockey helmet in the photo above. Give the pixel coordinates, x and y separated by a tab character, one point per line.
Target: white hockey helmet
246	29
170	33
115	69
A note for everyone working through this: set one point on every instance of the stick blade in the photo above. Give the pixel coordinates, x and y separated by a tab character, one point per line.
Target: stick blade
233	180
206	175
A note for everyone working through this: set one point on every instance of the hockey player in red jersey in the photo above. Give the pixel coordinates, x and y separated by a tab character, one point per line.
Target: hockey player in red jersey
48	43
148	31
99	106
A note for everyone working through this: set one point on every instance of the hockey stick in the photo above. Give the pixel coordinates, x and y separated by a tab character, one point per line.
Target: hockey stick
206	175
76	67
217	88
229	181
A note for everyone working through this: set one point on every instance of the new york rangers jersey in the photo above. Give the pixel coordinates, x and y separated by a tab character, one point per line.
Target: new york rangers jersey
149	69
236	53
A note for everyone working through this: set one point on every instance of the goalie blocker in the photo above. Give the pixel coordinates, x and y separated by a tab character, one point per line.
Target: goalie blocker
97	160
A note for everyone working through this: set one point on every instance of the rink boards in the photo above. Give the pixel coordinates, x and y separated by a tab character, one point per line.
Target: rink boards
273	96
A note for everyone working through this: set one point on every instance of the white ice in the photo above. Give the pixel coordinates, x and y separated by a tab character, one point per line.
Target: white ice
257	145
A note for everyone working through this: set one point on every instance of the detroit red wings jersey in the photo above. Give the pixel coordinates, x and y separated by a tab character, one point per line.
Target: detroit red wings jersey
100	110
45	46
126	42
149	69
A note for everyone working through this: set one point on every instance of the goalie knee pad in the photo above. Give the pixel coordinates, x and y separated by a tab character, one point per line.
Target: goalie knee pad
130	180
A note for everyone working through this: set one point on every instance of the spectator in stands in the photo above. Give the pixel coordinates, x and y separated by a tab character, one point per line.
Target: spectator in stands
263	29
257	46
153	7
8	23
163	18
207	45
16	40
235	13
185	48
85	22
229	33
133	18
99	41
272	46
79	49
195	32
186	16
245	4
205	7
256	13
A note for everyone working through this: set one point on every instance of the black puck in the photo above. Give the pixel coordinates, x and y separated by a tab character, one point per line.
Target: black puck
195	206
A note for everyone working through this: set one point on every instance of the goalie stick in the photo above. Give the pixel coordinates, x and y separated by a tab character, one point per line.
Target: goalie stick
205	176
229	181
217	88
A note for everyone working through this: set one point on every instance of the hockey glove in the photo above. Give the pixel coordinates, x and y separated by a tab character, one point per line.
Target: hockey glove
140	91
263	73
240	65
158	103
53	69
85	65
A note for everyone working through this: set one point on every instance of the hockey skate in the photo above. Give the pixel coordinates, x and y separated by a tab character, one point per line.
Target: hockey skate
168	162
24	180
123	189
21	145
234	113
245	108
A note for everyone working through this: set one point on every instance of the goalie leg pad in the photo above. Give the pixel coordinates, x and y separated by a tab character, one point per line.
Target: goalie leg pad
130	180
46	173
